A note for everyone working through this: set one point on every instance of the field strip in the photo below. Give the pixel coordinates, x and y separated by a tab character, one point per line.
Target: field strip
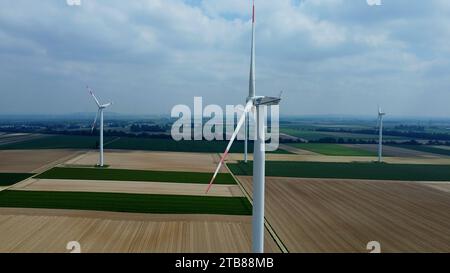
235	157
267	225
126	202
76	159
134	175
128	187
39	170
11	139
445	187
42	231
357	180
152	160
296	150
343	216
58	161
362	171
111	215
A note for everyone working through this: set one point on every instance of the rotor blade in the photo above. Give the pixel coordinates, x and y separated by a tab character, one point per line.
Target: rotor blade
247	108
92	94
107	105
95	121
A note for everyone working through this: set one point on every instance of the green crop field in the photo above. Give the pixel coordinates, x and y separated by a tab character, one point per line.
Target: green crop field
123	202
425	148
128	143
8	179
57	142
311	135
148	144
134	175
333	149
305	134
375	171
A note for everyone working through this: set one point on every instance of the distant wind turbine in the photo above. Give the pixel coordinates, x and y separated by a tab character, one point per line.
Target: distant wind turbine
101	107
259	154
380	137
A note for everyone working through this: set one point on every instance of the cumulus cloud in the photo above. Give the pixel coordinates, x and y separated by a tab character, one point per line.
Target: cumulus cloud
329	56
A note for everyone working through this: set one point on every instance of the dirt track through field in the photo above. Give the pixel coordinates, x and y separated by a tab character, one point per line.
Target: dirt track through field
35	230
327	215
158	161
127	187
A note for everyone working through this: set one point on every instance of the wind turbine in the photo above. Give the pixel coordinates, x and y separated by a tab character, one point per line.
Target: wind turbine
101	107
252	83
380	137
257	103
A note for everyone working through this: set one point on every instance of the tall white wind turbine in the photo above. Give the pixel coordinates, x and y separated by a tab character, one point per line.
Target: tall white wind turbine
101	107
252	83
259	158
380	136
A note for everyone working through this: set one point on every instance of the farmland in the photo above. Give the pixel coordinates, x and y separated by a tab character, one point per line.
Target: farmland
314	135
124	202
426	149
134	175
8	179
126	143
33	161
329	215
43	230
333	149
371	171
56	142
151	160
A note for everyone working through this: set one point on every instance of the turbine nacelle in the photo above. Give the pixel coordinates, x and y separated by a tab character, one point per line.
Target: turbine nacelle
380	113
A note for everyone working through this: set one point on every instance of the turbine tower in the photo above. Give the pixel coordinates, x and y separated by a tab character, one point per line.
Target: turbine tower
101	107
257	103
380	136
252	86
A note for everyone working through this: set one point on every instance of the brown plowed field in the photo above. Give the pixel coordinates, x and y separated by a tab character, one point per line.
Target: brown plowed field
36	230
326	215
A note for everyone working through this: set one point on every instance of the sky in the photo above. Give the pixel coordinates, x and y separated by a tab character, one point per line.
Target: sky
330	57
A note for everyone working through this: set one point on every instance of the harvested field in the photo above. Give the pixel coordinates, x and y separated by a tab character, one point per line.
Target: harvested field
161	161
439	186
33	161
128	187
36	230
329	215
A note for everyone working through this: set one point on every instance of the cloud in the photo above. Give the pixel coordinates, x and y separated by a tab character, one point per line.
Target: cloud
329	56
